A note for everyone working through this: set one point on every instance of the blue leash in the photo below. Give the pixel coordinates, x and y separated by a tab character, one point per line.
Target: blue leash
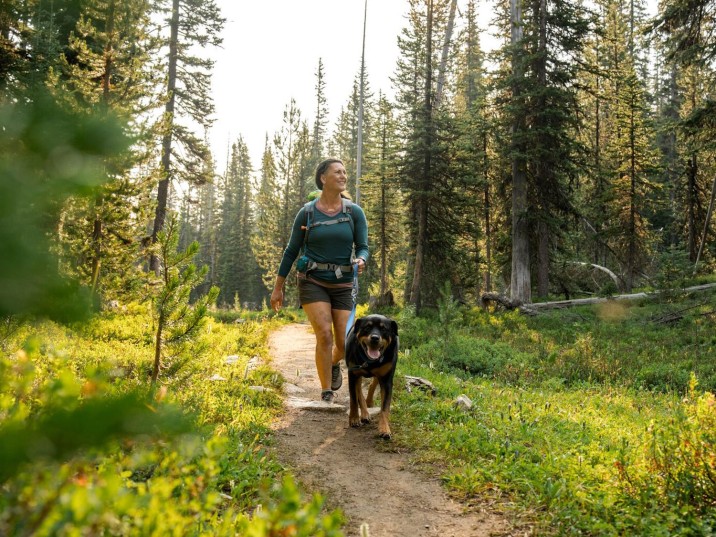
354	296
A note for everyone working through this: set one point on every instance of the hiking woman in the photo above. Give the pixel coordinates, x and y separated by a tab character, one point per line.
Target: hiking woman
328	230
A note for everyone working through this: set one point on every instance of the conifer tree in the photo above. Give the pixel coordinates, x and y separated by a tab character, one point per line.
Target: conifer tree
688	48
106	69
177	321
320	121
425	167
472	162
238	272
383	203
192	24
629	149
267	244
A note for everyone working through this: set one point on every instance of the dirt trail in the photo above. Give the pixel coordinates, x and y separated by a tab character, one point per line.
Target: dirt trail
371	485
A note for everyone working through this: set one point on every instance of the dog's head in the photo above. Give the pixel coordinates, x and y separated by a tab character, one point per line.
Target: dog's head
375	333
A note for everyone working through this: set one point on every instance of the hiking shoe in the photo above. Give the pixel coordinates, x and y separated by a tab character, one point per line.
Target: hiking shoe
336	377
327	396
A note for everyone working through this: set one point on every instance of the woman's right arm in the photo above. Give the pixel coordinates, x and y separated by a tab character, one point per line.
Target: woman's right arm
277	294
289	256
294	244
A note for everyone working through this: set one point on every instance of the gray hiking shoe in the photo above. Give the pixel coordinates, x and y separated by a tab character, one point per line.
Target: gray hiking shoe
327	396
336	377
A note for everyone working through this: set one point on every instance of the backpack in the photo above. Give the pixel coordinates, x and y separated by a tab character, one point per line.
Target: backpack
346	210
305	263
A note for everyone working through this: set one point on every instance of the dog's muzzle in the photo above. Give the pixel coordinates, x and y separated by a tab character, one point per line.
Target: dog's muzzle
373	347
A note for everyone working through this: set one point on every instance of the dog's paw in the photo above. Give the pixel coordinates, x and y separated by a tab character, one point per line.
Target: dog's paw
354	422
365	421
385	436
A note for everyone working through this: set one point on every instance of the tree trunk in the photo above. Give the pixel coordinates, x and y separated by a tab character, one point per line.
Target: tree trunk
163	189
543	172
543	256
520	286
422	196
444	56
97	225
706	224
631	260
488	227
692	197
158	349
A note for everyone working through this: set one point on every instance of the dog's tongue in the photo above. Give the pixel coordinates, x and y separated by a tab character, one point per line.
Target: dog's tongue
373	354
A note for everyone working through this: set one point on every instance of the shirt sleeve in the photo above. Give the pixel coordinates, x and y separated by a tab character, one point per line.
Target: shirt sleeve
361	233
294	244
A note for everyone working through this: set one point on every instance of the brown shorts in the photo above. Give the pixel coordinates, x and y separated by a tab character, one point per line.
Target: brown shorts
338	297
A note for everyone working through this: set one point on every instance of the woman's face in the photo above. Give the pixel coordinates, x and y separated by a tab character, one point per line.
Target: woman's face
335	177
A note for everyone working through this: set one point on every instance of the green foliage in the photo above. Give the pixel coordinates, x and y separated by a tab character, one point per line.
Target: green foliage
677	466
288	516
46	156
119	467
177	321
674	270
561	427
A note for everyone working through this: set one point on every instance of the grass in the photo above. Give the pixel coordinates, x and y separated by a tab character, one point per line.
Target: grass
592	421
584	422
209	475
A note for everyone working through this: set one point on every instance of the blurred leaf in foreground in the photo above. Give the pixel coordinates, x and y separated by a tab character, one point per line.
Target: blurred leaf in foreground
46	155
60	433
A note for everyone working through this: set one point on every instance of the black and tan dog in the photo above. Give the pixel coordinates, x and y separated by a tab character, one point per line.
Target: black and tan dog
371	351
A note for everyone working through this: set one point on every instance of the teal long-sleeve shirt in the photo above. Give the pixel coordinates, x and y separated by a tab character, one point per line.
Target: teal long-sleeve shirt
327	244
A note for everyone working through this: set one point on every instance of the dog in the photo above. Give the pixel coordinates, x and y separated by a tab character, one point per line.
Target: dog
371	352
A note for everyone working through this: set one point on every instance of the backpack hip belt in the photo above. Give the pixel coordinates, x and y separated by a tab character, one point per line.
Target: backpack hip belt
338	269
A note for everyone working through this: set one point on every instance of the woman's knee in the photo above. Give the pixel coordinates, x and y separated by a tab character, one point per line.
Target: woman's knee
324	335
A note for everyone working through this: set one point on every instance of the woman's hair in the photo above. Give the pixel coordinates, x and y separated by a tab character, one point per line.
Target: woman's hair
321	169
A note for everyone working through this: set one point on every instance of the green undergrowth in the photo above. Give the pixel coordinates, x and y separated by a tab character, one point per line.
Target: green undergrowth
90	448
586	422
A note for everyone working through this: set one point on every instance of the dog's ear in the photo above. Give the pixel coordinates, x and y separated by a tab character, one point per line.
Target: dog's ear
394	327
357	324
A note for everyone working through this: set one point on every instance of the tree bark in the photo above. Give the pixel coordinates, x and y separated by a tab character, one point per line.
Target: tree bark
520	286
444	56
163	188
422	196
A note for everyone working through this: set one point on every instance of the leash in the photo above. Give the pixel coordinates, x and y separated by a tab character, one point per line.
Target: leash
354	296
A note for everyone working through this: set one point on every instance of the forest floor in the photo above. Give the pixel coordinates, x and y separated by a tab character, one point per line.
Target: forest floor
373	482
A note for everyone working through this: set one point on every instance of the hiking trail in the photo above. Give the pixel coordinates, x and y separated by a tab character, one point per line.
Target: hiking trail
355	470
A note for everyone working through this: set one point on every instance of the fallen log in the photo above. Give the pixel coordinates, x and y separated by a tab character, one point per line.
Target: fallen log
533	307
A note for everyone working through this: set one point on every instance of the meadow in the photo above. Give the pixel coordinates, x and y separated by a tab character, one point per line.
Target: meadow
589	421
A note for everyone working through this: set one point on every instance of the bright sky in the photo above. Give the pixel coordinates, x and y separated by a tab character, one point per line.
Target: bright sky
270	55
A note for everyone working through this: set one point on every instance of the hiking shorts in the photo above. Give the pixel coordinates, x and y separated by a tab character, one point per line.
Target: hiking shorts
338	297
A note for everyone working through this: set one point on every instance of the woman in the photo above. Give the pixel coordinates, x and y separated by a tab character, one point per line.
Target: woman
325	278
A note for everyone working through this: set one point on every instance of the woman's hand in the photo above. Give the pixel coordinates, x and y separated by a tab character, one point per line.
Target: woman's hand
361	265
276	299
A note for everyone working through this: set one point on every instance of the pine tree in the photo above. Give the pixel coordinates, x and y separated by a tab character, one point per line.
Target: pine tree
193	23
472	161
689	117
383	203
267	244
238	272
177	321
629	149
105	69
428	136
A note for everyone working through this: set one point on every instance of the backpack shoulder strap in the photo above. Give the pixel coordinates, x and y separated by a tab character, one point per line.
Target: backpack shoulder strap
308	213
348	211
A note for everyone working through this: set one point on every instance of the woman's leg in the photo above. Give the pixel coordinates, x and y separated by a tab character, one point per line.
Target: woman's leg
340	319
319	314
